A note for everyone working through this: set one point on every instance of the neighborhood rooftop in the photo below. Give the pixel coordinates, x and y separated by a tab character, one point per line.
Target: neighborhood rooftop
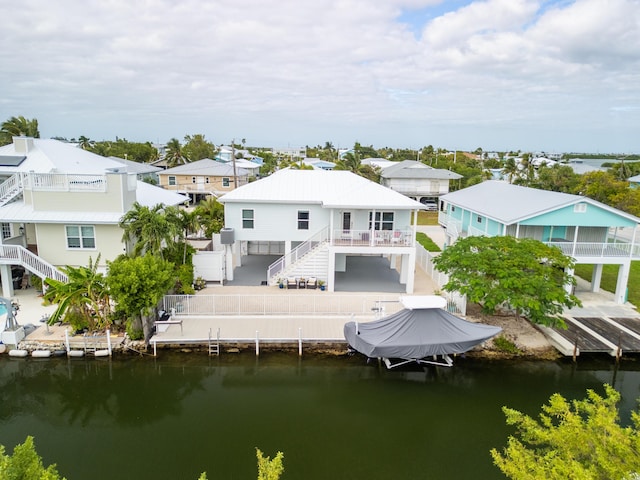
509	203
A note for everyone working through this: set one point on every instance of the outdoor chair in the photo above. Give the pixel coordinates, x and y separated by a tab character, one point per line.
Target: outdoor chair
292	282
312	282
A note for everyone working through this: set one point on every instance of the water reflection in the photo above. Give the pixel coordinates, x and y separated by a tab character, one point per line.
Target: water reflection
178	415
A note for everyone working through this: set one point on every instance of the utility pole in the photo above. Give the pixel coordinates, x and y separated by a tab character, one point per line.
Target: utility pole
233	159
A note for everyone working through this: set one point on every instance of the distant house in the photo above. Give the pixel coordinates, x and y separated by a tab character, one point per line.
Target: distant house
588	231
143	171
319	164
417	180
634	182
315	219
203	178
61	205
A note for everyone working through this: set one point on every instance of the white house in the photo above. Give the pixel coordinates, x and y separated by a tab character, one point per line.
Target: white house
417	180
315	219
60	205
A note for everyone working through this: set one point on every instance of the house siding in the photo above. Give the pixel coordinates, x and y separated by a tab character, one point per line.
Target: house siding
52	245
593	216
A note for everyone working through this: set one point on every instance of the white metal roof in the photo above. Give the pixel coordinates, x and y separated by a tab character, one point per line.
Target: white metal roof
331	189
509	203
413	169
206	166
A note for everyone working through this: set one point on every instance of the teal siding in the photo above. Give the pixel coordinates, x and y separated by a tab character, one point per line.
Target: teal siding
593	217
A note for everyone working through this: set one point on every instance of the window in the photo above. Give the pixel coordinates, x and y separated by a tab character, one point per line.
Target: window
247	218
383	221
303	220
225	181
80	236
580	207
206	179
172	180
6	230
479	219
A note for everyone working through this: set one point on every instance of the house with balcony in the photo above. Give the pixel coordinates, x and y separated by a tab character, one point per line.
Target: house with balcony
417	180
60	205
315	219
203	178
584	229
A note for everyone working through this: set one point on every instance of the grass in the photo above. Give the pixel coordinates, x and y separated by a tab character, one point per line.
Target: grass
610	277
427	218
428	244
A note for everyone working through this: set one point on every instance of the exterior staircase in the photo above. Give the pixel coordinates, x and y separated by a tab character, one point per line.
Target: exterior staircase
309	259
10	189
18	255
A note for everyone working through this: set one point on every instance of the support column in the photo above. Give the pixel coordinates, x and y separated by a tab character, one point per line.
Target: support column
7	281
596	277
621	285
228	262
331	271
287	252
569	286
407	274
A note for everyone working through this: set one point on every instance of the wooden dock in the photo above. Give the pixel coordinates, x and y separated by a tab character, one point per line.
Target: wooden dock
615	336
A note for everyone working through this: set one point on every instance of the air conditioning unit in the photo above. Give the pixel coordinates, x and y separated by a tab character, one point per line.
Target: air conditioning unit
227	236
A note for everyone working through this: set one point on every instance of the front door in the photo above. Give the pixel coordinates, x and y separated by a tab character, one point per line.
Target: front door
346	221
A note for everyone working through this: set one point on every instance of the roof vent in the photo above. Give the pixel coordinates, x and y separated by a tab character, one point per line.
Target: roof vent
23	144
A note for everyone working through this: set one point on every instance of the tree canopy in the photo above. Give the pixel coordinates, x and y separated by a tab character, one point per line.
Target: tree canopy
18	126
25	464
578	440
524	275
196	148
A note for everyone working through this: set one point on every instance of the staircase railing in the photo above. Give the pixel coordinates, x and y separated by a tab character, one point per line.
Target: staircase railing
10	188
17	254
294	255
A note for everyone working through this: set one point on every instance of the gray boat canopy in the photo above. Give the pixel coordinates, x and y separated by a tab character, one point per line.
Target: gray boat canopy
417	332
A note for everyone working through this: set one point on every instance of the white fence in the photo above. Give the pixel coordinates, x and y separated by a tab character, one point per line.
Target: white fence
456	303
281	304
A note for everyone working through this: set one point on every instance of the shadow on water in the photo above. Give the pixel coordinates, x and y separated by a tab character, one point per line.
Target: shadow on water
333	417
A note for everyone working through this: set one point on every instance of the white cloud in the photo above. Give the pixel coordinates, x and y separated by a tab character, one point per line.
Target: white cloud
340	70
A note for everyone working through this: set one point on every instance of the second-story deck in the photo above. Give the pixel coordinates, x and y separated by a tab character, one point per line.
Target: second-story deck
372	238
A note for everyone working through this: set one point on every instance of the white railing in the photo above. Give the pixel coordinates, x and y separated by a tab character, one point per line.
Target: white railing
63	182
11	187
277	267
373	238
602	250
280	304
17	254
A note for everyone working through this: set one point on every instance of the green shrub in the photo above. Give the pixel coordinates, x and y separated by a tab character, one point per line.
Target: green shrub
133	332
505	345
75	318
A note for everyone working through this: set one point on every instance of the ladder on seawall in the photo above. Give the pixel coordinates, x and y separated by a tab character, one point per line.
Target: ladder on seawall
214	344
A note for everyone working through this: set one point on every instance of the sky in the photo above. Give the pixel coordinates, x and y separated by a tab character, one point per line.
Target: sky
552	76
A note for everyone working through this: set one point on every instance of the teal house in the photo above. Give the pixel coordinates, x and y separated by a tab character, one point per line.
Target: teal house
587	230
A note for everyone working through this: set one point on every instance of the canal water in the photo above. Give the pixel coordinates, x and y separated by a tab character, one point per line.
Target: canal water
333	417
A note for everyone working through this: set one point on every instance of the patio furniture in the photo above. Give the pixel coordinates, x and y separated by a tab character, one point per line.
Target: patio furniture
312	282
302	283
292	282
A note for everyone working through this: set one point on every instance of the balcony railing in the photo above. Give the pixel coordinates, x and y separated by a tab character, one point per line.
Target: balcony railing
63	182
593	249
373	238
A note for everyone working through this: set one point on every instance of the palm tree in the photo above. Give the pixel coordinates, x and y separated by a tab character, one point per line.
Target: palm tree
149	228
510	169
174	156
16	127
187	221
85	297
84	142
210	214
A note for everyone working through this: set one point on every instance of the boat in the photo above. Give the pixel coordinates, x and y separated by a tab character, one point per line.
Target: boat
422	332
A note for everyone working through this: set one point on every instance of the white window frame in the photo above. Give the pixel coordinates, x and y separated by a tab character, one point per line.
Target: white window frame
303	223
84	241
7	230
248	218
383	220
226	181
172	181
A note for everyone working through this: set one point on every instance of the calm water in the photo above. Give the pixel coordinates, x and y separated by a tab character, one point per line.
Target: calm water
338	418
